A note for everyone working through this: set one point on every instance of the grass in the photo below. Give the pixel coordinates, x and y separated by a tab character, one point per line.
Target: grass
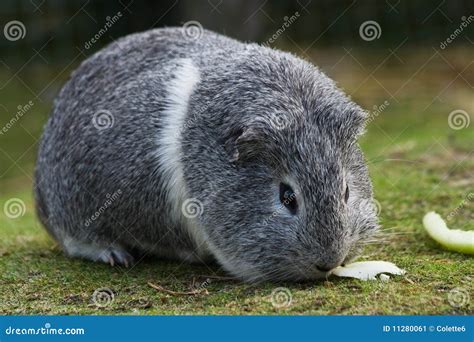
417	164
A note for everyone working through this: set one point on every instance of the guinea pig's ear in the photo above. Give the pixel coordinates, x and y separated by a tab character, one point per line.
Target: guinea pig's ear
244	143
354	122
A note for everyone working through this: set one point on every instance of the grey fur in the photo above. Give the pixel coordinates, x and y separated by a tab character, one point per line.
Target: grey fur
257	117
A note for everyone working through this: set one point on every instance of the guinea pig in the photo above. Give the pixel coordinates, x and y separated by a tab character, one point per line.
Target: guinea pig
205	149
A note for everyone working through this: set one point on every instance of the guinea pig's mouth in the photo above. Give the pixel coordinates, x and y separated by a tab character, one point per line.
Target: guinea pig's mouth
350	257
321	273
286	270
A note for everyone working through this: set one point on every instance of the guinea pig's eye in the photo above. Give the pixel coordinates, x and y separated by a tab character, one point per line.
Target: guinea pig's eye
288	198
346	194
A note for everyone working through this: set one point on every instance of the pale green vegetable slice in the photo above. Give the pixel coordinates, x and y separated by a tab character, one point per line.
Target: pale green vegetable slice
453	239
367	270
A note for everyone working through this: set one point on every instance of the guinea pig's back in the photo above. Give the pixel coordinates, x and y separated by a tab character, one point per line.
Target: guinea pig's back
99	147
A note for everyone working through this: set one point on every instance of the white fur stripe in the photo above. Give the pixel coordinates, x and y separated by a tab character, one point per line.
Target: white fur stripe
174	116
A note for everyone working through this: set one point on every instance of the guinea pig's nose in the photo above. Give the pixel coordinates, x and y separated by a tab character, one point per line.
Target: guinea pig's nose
327	266
323	268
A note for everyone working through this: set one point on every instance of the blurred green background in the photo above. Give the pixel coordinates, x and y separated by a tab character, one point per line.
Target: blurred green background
412	69
409	64
406	65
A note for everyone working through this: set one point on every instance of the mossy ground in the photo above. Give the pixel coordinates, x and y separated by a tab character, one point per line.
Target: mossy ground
417	164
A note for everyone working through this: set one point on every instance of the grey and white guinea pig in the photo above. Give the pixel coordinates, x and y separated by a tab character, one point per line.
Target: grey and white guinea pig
205	148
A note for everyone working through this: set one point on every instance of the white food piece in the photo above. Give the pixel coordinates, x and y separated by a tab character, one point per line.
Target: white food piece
453	239
384	277
367	270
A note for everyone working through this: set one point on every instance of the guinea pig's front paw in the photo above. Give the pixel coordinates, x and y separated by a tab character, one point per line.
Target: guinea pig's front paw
110	254
116	256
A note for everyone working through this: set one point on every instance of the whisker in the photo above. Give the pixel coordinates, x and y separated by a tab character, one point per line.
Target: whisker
392	234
